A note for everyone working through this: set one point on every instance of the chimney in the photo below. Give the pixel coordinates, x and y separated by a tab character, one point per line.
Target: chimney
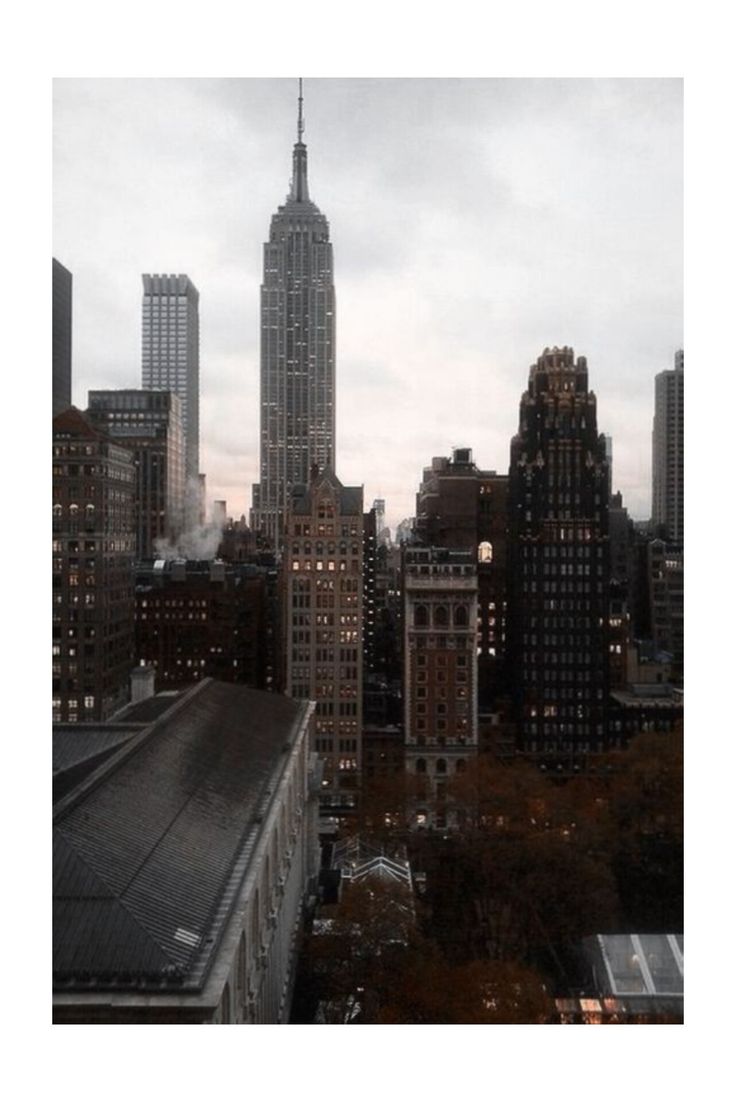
142	680
217	570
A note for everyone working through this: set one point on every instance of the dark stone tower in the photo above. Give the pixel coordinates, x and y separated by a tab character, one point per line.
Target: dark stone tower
559	566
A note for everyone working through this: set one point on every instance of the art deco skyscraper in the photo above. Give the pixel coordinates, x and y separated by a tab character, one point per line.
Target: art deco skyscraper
297	350
559	560
171	354
668	453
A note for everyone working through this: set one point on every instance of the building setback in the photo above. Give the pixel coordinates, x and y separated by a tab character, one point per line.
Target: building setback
182	863
668	453
440	673
170	357
92	543
559	567
61	337
150	424
323	604
297	351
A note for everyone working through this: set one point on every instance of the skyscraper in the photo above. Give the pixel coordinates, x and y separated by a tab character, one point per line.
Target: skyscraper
668	453
559	561
61	330
149	423
171	353
297	350
323	584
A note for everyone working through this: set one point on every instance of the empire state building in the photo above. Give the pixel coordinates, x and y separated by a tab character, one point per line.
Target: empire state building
297	350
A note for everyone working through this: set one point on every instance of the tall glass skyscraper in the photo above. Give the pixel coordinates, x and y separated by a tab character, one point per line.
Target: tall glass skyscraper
297	350
171	354
668	453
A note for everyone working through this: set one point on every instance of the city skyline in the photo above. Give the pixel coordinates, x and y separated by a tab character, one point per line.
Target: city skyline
475	222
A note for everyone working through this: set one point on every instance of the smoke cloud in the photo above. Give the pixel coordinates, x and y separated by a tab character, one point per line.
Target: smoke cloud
199	539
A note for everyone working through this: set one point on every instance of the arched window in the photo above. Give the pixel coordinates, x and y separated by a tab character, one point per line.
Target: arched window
485	551
421	765
441	616
461	616
421	617
441	766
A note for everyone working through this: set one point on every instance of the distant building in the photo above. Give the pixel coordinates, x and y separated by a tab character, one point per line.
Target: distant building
199	501
150	424
440	673
297	351
665	602
559	566
668	453
61	336
201	619
214	789
171	352
219	513
93	538
323	605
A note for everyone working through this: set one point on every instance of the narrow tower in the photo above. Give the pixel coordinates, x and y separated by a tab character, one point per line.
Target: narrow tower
668	451
297	350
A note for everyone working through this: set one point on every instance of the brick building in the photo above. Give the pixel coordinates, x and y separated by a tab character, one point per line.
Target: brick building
93	486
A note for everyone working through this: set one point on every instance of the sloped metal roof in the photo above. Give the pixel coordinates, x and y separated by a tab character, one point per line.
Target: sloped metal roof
145	852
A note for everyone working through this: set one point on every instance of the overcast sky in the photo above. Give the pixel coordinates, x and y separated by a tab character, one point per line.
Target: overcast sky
474	222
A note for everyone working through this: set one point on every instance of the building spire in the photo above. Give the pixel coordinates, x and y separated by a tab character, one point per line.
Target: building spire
300	121
299	187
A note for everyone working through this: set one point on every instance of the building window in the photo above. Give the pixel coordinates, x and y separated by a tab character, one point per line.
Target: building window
485	551
441	616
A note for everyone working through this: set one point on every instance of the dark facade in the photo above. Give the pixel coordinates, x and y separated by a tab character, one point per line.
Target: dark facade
370	566
170	357
440	672
668	454
559	565
664	575
150	424
462	507
201	619
93	489
297	351
61	337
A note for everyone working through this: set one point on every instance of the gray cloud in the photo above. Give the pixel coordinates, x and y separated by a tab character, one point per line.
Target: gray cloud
473	221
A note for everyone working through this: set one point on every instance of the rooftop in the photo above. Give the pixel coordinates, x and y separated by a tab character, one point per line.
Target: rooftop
151	847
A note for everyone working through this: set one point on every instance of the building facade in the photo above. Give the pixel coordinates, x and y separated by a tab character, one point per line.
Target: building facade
61	337
202	619
170	354
297	351
150	424
559	568
93	487
323	607
668	453
461	507
440	673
